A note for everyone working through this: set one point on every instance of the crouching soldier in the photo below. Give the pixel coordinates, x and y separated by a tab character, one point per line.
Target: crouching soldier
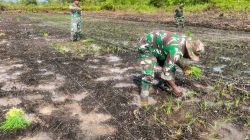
179	17
160	51
75	26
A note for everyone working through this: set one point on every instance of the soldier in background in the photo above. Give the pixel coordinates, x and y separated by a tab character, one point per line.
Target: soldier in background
179	17
75	26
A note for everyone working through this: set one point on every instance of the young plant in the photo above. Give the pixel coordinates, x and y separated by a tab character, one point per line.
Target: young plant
88	40
168	106
237	101
43	33
14	119
2	34
195	72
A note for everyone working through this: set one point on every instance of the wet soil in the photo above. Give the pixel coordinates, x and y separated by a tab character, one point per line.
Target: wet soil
94	96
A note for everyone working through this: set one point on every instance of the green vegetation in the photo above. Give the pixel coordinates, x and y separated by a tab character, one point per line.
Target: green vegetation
195	72
2	34
15	119
135	5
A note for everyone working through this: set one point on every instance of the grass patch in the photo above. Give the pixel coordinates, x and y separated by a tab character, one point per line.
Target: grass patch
15	119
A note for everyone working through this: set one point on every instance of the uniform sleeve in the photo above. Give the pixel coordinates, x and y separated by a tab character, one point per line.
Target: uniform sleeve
173	53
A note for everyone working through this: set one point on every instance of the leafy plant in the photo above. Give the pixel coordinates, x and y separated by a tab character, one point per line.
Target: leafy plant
168	107
2	34
43	33
195	72
15	119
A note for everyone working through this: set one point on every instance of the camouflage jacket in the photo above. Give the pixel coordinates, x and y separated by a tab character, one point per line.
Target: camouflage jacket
164	45
75	13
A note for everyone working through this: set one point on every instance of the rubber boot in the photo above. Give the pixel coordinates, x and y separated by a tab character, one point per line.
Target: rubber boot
144	93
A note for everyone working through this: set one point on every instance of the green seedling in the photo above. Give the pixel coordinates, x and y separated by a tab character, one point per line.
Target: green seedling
43	34
189	33
14	119
248	123
2	34
188	115
195	72
179	104
228	105
62	50
204	106
168	107
88	40
237	101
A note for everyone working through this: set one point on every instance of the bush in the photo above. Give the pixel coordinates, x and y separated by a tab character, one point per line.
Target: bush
157	3
108	6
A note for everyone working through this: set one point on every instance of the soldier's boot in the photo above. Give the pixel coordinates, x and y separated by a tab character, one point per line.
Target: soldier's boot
177	92
144	93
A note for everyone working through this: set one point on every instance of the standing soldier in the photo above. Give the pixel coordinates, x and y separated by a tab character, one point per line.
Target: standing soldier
179	17
160	51
75	26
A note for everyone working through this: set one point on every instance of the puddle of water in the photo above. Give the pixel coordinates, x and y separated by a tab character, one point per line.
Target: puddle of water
39	61
47	87
30	117
52	85
138	102
119	70
93	67
79	97
109	78
8	101
124	85
33	97
219	68
39	136
46	110
73	108
91	125
3	41
113	58
58	97
134	75
225	58
94	60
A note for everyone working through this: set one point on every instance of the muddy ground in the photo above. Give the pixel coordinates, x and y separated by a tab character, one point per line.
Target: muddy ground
89	89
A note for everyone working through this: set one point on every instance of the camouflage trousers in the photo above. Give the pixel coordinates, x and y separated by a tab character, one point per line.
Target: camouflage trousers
151	66
75	28
179	21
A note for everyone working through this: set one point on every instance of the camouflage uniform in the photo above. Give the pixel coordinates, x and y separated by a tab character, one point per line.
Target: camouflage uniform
75	26
179	17
157	47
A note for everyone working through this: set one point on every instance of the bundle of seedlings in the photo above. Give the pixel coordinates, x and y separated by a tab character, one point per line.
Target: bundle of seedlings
14	119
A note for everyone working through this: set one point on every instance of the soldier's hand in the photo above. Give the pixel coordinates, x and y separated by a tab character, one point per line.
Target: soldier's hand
177	92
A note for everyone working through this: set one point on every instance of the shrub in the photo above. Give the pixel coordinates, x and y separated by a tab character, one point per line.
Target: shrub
108	6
